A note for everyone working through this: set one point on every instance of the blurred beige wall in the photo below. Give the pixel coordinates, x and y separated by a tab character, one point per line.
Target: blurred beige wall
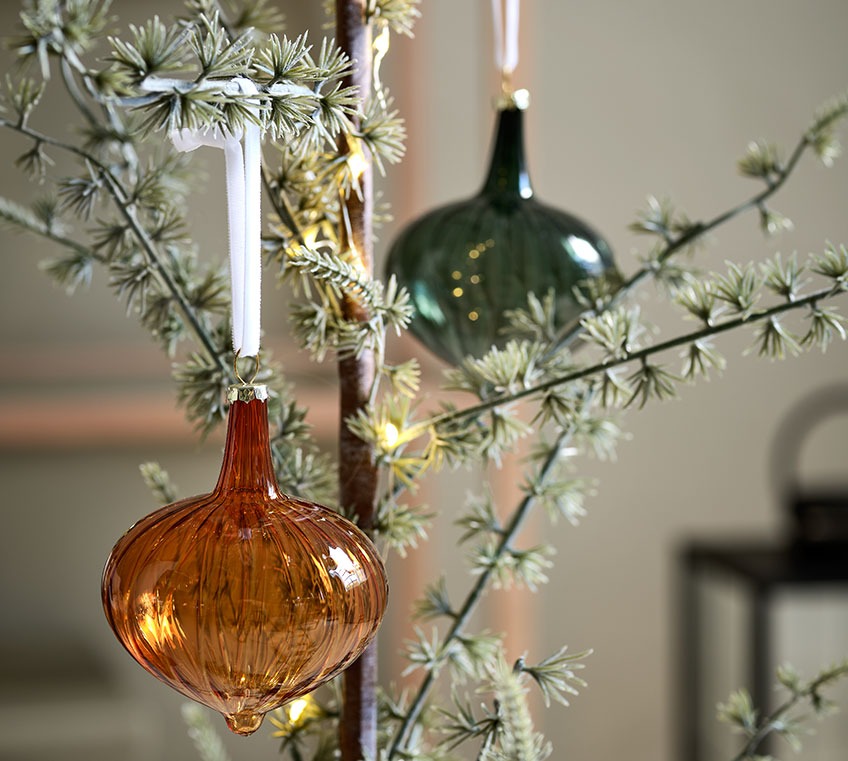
629	99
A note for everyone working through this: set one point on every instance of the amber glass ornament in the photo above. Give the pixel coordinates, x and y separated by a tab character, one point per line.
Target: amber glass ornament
467	262
244	599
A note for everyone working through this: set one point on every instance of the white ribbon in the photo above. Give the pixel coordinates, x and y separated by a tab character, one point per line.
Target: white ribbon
244	192
506	36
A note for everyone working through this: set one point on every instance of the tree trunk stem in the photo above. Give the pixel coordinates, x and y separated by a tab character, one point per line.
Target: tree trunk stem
358	476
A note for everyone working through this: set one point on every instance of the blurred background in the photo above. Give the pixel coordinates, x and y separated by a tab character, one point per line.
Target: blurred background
628	99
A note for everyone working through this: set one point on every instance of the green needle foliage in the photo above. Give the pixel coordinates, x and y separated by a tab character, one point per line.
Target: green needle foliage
203	734
119	214
788	720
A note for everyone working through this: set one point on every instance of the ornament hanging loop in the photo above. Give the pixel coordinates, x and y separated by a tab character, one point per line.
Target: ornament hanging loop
507	88
247	390
255	368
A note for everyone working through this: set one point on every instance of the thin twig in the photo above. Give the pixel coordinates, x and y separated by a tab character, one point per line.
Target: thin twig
695	232
70	59
73	90
771	722
74	245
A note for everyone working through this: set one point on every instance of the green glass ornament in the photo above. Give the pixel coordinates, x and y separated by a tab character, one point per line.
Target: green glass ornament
465	263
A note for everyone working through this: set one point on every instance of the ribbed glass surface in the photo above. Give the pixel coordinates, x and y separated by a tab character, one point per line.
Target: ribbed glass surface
467	262
244	599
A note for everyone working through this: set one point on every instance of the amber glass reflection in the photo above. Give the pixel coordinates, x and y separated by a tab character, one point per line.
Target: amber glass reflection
245	598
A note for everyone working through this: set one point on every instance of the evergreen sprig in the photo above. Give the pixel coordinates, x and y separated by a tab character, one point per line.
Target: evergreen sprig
154	49
462	725
784	721
51	28
383	132
245	16
740	287
400	527
516	737
298	94
400	15
556	675
159	482
560	497
281	60
203	734
536	322
821	134
763	160
321	325
700	358
616	331
833	264
435	602
660	218
478	519
515	366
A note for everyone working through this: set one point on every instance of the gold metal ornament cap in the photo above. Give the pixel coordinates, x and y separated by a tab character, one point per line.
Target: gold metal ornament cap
247	392
513	100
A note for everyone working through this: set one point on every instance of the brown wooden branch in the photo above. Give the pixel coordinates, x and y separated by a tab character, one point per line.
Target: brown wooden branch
358	478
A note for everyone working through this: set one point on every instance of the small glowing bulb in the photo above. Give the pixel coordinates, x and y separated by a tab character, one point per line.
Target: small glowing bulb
390	435
310	236
354	258
296	709
381	41
356	162
294	715
457	292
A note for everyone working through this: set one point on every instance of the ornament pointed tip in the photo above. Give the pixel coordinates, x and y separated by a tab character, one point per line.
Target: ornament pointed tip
244	723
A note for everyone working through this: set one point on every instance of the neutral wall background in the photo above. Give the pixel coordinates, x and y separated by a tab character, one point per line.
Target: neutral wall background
629	99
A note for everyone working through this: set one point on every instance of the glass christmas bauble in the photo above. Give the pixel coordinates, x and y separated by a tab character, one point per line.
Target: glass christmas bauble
244	599
467	262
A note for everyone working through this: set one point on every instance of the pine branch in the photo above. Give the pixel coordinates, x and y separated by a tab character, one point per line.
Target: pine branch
517	739
126	208
555	675
206	740
754	317
739	710
159	482
463	614
70	66
23	219
400	15
695	232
